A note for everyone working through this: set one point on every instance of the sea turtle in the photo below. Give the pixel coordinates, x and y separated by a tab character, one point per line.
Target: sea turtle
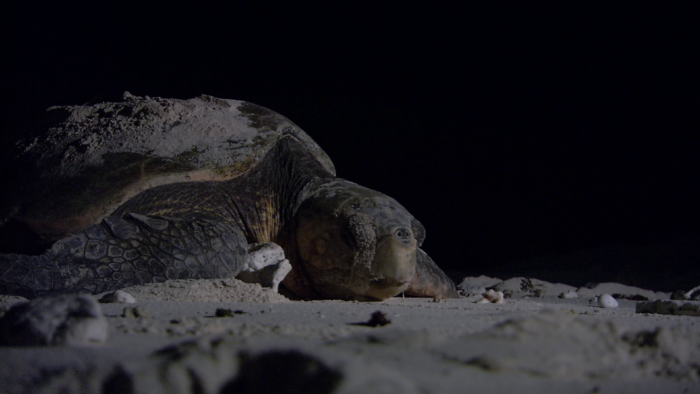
150	189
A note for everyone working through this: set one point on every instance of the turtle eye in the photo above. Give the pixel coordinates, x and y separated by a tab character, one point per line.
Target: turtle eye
403	234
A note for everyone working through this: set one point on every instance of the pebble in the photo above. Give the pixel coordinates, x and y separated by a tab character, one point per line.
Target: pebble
607	301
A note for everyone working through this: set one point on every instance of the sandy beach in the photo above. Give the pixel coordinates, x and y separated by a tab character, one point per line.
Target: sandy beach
263	342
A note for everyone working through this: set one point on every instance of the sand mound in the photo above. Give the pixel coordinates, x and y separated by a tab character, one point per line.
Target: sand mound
204	290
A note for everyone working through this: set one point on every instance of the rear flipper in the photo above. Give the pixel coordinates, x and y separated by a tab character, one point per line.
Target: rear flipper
430	281
122	252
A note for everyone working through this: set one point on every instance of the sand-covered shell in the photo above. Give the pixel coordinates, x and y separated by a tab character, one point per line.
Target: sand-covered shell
96	157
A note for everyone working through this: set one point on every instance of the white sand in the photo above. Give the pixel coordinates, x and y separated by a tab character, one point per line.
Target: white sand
214	290
526	345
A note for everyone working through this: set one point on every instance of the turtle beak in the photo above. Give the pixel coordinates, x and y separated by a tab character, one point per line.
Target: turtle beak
394	263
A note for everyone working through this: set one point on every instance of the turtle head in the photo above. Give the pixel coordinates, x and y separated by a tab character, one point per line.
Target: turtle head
354	243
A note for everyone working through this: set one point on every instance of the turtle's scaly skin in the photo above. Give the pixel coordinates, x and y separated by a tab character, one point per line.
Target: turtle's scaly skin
124	252
169	221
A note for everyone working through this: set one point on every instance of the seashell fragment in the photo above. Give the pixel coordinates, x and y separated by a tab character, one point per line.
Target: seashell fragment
267	266
607	301
491	297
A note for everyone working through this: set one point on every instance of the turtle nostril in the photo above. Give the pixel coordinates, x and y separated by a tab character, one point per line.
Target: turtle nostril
403	234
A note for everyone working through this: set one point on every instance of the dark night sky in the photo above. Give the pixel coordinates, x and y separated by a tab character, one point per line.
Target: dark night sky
510	132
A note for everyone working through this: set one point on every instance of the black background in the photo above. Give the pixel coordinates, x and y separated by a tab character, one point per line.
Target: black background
511	132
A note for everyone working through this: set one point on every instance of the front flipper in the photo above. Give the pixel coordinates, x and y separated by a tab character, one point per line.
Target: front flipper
430	281
121	252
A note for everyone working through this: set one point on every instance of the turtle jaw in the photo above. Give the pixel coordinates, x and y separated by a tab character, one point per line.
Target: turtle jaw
394	266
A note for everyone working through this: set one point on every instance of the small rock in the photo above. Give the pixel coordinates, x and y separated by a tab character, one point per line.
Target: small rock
226	312
63	320
569	295
607	301
223	312
378	318
118	297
